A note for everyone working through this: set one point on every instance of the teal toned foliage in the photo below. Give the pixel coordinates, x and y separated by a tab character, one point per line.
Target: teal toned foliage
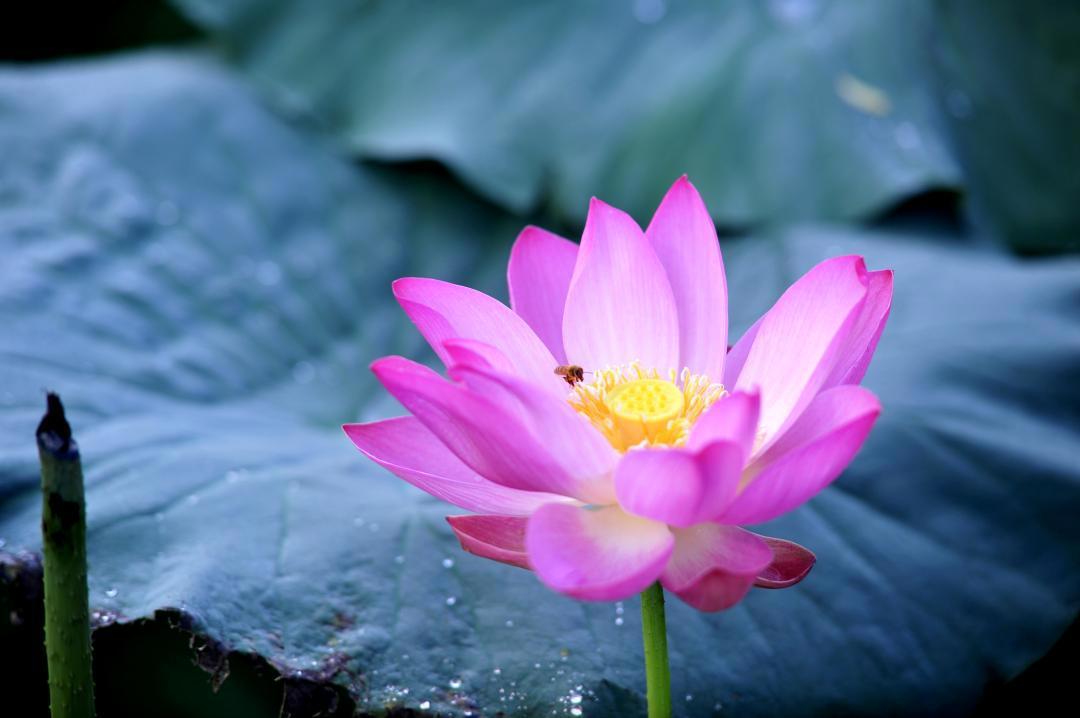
1009	79
778	109
205	284
551	102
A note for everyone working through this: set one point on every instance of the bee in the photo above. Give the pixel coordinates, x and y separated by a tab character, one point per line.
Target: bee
571	373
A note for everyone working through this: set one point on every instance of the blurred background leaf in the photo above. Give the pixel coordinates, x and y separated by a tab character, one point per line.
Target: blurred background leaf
1009	77
779	110
205	284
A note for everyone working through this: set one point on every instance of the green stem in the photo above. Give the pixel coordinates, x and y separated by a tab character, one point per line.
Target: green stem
654	633
63	528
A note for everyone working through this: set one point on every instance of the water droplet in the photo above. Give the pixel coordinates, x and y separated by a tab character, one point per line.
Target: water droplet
111	593
231	477
455	683
716	706
649	12
451	600
399	560
618	620
497	671
193	499
575	710
268	273
424	705
619	608
448	563
303	372
101	618
907	136
373	527
358	521
3	543
689	697
575	699
509	623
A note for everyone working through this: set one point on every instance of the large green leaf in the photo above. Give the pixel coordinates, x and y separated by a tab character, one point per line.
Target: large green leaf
1009	75
779	110
205	286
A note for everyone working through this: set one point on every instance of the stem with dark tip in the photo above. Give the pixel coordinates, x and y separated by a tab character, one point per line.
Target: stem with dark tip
654	634
63	529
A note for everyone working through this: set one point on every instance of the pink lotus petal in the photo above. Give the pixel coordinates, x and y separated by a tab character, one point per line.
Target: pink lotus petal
685	486
813	452
797	343
554	496
619	308
733	418
678	486
541	264
408	450
716	591
500	538
791	563
596	554
684	238
736	357
854	357
568	437
474	353
714	566
485	436
442	311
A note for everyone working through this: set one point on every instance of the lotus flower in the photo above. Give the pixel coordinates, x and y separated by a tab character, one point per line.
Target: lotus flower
601	431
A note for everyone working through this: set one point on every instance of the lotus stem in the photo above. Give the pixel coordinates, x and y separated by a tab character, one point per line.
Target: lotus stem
654	634
63	528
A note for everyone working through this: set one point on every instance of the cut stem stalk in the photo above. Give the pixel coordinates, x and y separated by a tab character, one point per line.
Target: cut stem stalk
63	528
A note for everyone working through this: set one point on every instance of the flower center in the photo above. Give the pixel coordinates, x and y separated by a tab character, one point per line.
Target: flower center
632	406
643	407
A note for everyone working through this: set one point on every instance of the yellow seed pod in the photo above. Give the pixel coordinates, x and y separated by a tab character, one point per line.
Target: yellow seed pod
643	408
